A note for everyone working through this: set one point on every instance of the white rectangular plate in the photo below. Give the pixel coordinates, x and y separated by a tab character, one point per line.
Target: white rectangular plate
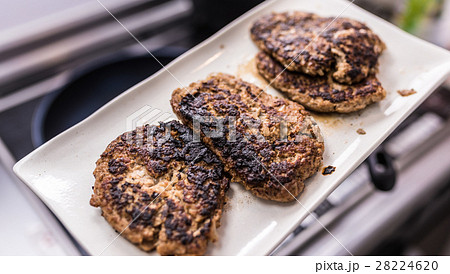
60	171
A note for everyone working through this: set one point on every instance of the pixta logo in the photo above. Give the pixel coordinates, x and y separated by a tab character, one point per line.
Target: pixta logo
228	129
147	115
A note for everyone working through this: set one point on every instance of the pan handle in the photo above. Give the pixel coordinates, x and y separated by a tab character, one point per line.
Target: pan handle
382	170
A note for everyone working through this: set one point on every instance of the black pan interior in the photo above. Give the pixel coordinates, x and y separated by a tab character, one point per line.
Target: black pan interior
90	88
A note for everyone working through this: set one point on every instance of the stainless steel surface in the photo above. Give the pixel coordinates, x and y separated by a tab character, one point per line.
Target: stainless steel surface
59	53
50	84
24	22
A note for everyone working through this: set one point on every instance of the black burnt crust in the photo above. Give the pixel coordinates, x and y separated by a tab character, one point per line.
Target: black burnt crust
168	152
316	45
256	162
307	90
318	86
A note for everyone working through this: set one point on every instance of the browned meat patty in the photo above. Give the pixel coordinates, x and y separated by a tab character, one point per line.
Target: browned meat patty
168	186
269	145
322	93
299	41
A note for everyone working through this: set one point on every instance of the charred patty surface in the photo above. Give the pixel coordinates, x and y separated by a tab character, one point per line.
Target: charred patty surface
315	45
269	145
322	93
162	189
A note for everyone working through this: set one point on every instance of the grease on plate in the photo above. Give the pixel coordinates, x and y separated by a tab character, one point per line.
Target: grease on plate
328	120
361	131
249	67
406	92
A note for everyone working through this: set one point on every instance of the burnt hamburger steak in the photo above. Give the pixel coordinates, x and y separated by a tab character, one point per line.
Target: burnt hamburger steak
269	145
305	42
161	189
320	93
